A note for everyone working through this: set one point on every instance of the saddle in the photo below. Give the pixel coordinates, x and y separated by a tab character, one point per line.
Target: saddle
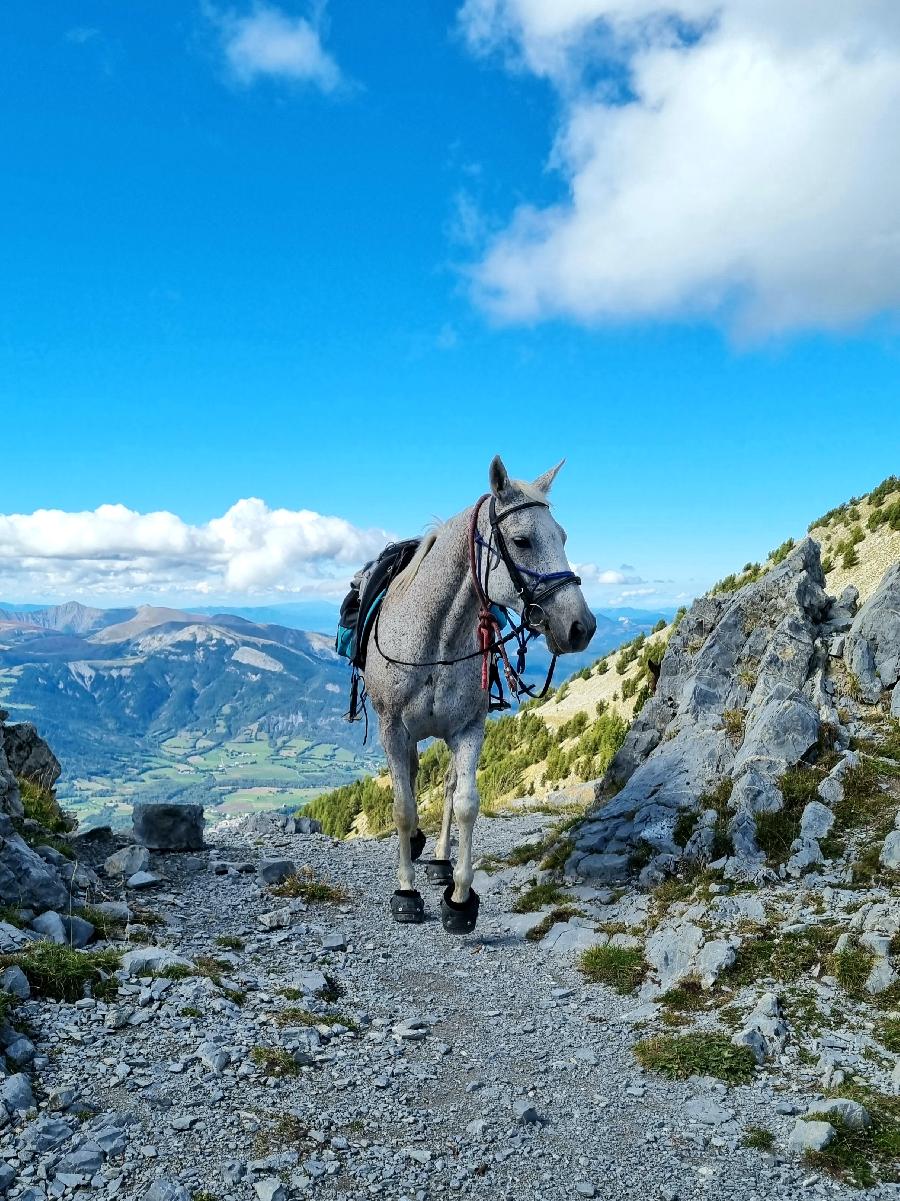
368	589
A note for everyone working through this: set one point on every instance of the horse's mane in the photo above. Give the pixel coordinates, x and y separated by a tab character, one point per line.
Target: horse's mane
411	570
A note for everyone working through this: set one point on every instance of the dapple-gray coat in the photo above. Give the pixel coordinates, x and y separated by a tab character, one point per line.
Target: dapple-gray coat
431	612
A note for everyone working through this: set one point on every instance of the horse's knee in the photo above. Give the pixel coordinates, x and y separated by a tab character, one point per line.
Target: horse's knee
465	805
405	817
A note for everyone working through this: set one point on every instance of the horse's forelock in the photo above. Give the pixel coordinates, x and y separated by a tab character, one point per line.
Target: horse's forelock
530	492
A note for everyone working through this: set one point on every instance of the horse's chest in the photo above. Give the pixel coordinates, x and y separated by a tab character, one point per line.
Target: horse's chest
446	701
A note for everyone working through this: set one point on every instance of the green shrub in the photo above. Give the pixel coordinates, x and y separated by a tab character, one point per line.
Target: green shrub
780	553
758	1138
40	805
776	831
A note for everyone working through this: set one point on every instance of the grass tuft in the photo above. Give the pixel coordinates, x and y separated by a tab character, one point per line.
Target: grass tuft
562	913
304	885
862	1158
63	973
686	997
696	1054
274	1061
759	1138
230	942
539	896
621	968
40	805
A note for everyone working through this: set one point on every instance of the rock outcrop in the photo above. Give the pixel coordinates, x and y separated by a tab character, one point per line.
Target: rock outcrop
28	878
751	685
872	648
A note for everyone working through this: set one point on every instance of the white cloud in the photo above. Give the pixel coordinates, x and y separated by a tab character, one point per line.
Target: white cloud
250	550
725	158
268	42
592	574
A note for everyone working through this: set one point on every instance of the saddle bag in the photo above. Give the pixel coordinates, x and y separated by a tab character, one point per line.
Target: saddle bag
368	589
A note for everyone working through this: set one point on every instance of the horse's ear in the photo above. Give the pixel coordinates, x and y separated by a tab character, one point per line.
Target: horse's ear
498	477
545	482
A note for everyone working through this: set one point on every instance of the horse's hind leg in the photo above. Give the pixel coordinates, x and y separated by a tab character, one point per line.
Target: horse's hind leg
417	841
442	846
440	870
459	909
406	904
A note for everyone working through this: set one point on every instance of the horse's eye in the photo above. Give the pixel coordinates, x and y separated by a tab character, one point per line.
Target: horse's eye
522	543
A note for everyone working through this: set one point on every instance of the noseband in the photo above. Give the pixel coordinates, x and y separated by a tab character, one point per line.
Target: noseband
533	587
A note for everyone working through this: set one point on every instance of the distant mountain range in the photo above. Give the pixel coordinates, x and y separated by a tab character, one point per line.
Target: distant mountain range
243	710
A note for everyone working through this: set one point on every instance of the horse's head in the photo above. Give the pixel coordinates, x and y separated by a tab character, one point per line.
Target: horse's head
528	568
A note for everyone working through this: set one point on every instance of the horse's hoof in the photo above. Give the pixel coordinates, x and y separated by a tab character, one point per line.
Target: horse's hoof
459	917
407	906
416	844
439	871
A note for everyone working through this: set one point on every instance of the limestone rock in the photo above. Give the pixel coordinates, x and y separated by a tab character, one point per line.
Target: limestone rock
25	878
765	1032
274	871
890	852
127	861
810	1136
872	649
149	961
850	1113
28	755
167	826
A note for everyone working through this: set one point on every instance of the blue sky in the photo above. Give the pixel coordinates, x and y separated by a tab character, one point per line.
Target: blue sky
330	258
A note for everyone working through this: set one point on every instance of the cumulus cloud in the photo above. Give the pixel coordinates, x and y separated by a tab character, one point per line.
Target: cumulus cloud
732	159
266	42
112	550
592	574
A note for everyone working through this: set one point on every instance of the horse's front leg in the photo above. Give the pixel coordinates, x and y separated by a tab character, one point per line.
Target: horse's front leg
460	909
406	903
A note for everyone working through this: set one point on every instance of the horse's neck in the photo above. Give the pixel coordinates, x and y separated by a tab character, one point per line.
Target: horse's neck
441	597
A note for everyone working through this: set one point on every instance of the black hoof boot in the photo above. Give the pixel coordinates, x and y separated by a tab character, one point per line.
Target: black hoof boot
459	918
439	871
407	906
416	844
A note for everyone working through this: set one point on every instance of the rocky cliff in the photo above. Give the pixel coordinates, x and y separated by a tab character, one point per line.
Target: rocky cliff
753	684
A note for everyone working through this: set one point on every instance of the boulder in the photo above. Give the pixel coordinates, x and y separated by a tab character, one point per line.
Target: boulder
51	927
816	821
127	861
274	871
167	826
811	1136
872	647
25	878
765	1032
851	1114
14	982
15	1093
890	852
28	755
150	961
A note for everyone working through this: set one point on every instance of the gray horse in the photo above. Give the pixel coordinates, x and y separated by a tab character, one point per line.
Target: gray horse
424	671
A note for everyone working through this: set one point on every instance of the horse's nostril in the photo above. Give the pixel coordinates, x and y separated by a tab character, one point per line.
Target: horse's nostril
577	635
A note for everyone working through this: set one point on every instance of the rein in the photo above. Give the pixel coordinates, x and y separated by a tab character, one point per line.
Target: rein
532	586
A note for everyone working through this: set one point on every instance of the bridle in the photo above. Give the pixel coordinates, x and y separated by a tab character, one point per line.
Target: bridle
532	586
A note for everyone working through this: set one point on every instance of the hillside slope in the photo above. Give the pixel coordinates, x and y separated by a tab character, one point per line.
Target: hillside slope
157	703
